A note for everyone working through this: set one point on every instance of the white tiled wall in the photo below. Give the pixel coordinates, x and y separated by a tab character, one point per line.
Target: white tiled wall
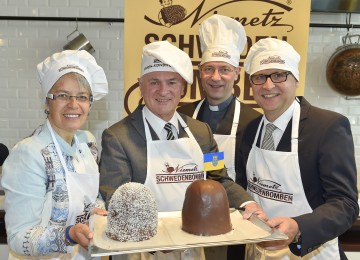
23	44
322	44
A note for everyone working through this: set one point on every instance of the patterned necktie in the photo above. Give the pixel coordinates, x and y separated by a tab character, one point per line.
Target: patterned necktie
268	141
170	135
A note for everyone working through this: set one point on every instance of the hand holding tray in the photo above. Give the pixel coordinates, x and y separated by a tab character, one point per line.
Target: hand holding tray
170	236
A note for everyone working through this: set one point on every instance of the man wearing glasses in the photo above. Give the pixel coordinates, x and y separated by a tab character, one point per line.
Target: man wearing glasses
222	41
298	159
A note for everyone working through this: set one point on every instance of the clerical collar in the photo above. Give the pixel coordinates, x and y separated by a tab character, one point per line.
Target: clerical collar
221	106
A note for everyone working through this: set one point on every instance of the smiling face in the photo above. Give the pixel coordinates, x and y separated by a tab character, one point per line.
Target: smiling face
218	87
274	98
162	92
68	116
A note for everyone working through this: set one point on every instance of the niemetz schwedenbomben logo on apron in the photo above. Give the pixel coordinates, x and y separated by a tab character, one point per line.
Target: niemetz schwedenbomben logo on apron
180	173
269	189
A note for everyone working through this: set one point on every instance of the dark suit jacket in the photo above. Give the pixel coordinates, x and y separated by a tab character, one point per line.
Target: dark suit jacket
328	173
123	156
247	114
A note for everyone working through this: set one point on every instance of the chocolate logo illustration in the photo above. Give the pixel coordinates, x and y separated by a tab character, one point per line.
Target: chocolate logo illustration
171	14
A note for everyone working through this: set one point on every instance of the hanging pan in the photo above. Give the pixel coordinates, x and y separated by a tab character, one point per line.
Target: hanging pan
343	67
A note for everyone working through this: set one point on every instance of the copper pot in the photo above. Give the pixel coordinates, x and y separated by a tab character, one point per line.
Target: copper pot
343	68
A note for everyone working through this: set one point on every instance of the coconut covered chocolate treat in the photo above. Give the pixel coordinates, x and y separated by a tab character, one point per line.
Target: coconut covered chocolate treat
132	213
206	210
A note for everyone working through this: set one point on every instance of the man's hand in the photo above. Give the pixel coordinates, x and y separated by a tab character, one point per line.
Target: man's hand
286	225
254	208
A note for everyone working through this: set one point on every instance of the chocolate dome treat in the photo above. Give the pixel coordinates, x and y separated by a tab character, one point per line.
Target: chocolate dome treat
206	210
132	213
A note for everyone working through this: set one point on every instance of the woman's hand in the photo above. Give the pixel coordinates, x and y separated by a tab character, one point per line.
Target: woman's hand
99	211
81	234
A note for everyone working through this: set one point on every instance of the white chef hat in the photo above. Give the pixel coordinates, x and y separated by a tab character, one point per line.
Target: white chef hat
163	56
222	39
271	53
82	62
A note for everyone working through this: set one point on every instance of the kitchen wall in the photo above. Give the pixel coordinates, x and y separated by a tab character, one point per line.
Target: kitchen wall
322	44
23	44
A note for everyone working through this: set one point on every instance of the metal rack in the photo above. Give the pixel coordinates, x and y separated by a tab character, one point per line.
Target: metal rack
64	19
121	20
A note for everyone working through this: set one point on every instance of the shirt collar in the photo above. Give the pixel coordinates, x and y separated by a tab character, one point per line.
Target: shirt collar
221	106
157	123
282	121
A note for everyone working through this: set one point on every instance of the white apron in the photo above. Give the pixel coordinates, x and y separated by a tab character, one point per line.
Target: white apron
279	194
226	143
172	165
82	188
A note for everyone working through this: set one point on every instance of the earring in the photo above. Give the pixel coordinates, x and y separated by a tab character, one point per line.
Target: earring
46	111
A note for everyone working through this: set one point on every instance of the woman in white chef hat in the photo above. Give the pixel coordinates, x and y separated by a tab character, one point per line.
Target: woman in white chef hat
51	178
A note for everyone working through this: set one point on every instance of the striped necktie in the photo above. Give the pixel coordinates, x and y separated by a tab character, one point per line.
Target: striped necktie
268	140
170	135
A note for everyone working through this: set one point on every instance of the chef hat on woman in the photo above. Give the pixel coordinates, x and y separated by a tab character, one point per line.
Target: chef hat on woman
271	53
82	62
222	39
163	56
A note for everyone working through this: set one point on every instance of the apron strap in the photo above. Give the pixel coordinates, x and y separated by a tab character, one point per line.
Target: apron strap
57	146
236	118
197	109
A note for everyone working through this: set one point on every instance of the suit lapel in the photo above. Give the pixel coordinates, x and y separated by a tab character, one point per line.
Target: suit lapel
137	122
182	132
285	142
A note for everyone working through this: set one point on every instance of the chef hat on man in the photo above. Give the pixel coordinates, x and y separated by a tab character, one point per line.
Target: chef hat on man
222	39
163	56
82	62
271	53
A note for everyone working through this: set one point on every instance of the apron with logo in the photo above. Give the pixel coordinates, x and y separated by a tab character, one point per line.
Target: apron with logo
226	143
172	165
279	194
83	187
169	163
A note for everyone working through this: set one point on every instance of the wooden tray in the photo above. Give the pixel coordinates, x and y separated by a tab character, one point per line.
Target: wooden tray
170	236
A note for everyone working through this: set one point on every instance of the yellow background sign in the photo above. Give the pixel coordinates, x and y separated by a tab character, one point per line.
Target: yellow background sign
178	22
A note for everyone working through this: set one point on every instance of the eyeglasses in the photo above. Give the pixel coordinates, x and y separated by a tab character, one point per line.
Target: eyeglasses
223	71
66	98
276	77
